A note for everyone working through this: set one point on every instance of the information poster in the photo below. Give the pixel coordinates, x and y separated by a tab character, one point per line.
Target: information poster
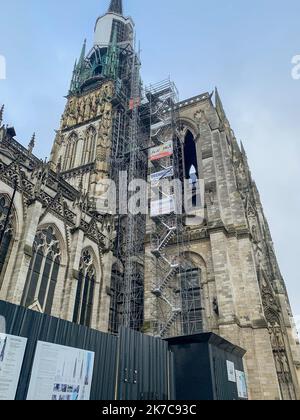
241	385
160	152
231	371
12	350
61	373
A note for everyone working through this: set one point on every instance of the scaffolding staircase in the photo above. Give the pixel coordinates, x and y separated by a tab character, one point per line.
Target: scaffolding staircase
166	232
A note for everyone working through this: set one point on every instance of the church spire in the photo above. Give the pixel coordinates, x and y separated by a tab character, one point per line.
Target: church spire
116	6
82	55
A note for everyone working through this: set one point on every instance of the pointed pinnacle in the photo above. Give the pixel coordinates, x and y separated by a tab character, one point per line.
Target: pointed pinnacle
82	55
31	144
1	114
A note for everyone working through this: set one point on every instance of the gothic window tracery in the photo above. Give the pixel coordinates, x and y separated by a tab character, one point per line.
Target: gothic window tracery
71	150
85	290
6	233
89	148
43	271
273	317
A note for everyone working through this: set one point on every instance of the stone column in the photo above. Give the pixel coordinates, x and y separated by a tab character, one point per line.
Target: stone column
102	305
224	286
149	281
72	274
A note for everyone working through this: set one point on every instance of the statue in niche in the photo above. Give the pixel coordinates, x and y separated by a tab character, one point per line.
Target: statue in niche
100	105
108	91
72	113
59	165
104	138
240	173
64	121
90	144
254	234
210	194
259	257
88	106
106	122
82	109
94	106
79	119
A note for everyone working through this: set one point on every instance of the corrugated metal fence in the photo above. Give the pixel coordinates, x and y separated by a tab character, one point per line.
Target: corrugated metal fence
131	366
145	368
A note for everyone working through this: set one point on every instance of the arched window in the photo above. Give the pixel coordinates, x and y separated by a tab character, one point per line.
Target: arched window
71	150
191	171
43	271
190	156
6	234
192	320
89	148
83	308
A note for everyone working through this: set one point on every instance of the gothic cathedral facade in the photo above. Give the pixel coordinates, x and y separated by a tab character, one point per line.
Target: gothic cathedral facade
63	254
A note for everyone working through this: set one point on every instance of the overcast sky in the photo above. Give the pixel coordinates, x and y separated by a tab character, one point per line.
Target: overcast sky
243	47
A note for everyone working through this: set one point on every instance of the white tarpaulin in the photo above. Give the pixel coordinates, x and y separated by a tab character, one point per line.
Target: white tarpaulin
165	173
61	373
161	207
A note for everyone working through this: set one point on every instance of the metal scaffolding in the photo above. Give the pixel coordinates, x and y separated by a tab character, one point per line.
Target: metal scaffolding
145	120
176	283
129	155
166	226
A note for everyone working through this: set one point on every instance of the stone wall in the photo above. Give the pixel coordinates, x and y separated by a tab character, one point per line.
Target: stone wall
230	248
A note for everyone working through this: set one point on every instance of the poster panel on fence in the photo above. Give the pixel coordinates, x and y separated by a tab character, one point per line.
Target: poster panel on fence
12	350
61	373
241	385
230	371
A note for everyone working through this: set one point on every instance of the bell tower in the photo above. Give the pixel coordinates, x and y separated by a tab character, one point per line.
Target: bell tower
96	104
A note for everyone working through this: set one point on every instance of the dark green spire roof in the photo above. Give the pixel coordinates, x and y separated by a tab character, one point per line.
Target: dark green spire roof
116	6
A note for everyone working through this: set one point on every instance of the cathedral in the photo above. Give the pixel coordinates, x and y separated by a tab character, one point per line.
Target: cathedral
67	251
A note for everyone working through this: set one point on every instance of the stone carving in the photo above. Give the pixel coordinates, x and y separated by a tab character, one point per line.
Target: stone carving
241	175
210	196
258	257
57	146
272	313
39	178
216	306
4	213
200	116
85	108
104	140
71	113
